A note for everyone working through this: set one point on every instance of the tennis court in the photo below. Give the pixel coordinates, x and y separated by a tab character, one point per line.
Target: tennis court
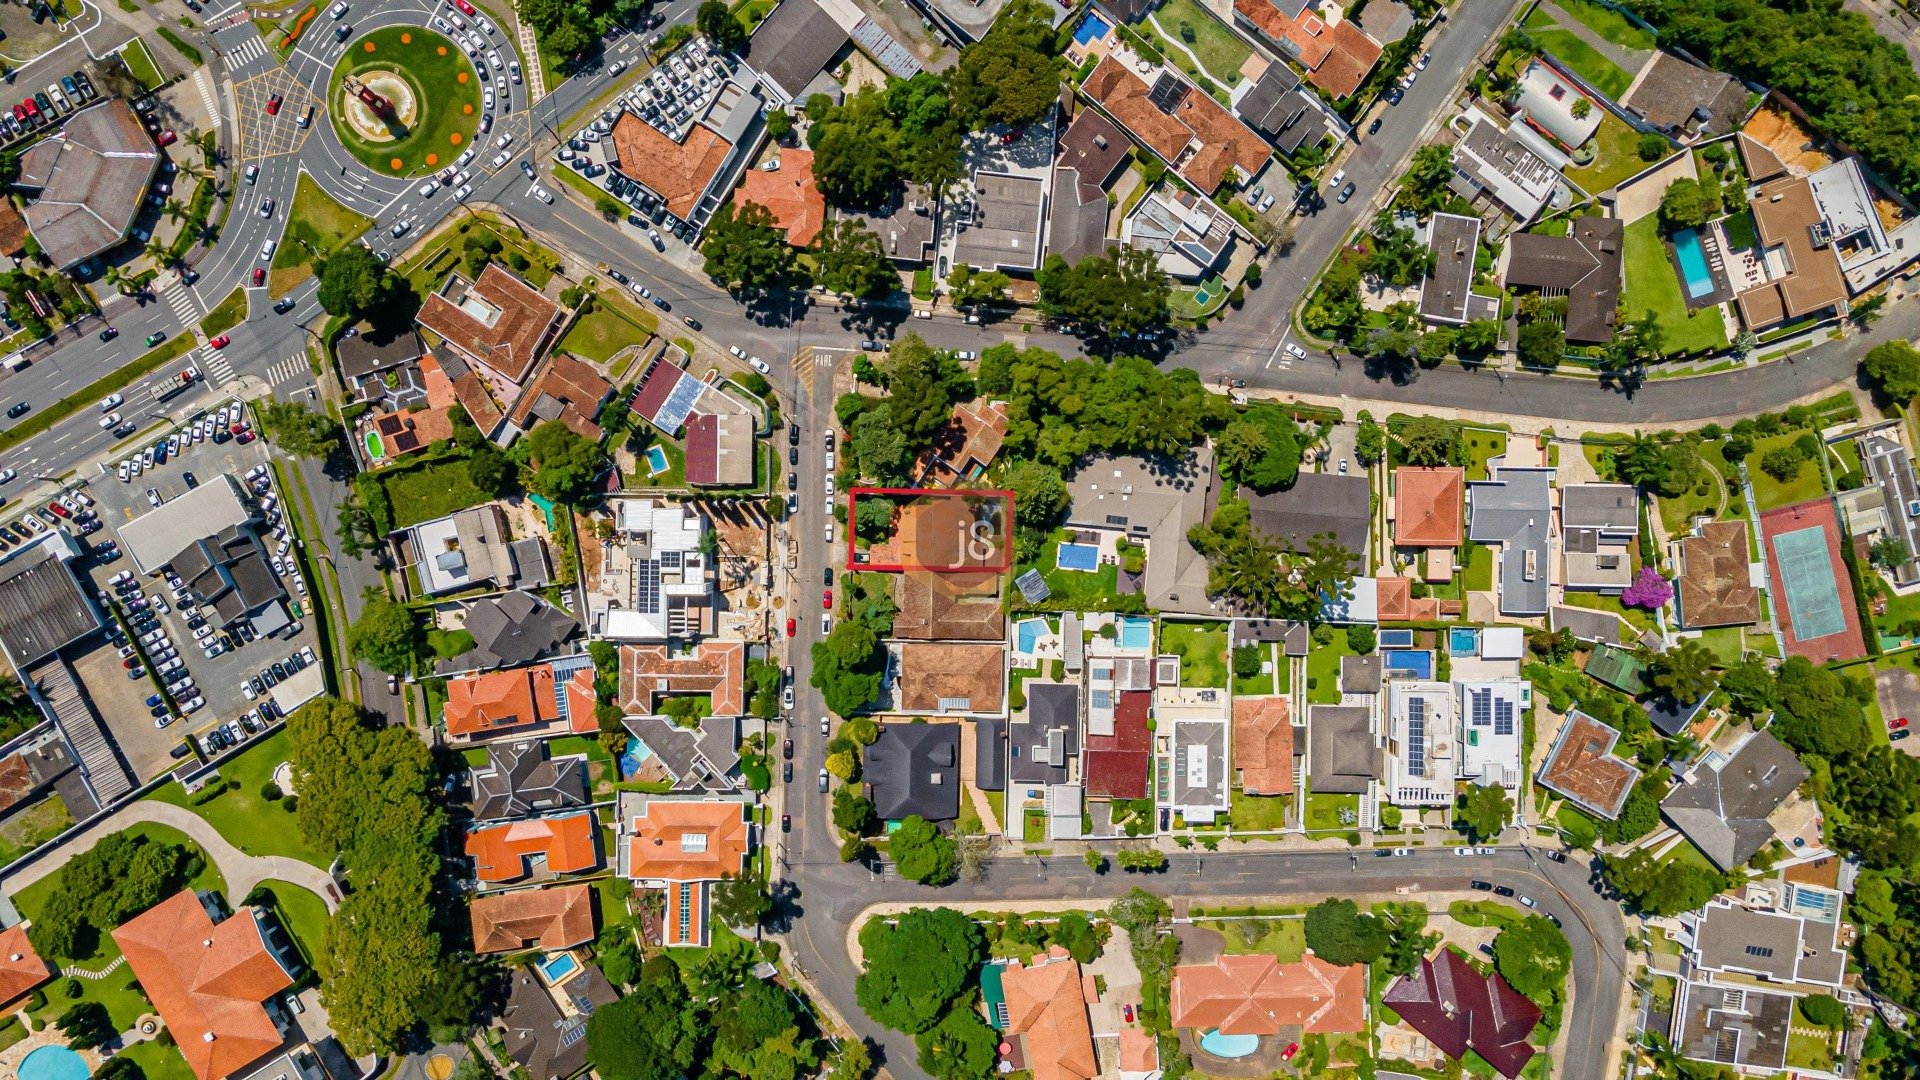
1806	573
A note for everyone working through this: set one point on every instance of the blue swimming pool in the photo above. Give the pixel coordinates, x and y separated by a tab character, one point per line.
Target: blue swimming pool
656	461
1091	28
53	1063
559	967
1229	1046
635	755
1417	663
1135	632
1463	641
1079	557
1396	639
1028	632
1693	263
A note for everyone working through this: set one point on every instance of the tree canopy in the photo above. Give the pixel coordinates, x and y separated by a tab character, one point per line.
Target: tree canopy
916	966
1485	811
564	464
1012	75
1117	292
1340	933
1894	367
651	1032
386	635
746	251
921	852
298	430
1662	888
847	666
1534	957
849	258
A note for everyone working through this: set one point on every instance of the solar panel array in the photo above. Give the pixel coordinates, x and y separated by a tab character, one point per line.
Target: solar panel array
1168	92
1417	737
1482	705
670	560
1503	717
673	412
1759	950
646	584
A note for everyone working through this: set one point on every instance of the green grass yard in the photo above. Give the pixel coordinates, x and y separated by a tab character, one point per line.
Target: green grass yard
1640	620
227	315
612	325
1616	157
246	820
1767	491
1482	447
1609	24
317	225
1216	47
424	492
444	83
1606	76
1477	574
1202	648
140	64
1085	589
31	827
1257	812
302	913
1323	671
1323	812
1740	230
1282	938
1652	285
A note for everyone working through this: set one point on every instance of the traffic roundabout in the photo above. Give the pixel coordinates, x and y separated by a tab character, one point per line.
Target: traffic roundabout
404	100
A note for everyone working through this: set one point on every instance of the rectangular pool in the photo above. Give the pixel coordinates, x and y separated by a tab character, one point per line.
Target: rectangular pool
1416	663
1135	632
1092	28
558	967
1079	557
1693	263
656	461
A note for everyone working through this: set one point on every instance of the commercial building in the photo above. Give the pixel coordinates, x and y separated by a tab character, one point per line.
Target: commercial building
1000	222
88	181
792	48
43	607
691	169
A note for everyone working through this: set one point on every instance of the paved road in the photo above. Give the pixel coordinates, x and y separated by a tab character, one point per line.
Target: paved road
241	870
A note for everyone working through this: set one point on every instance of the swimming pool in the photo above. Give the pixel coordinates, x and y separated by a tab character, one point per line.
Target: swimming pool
635	755
1693	263
558	967
1229	1046
1135	632
1028	632
1396	639
375	450
1463	641
1092	28
656	461
1417	663
53	1063
1079	557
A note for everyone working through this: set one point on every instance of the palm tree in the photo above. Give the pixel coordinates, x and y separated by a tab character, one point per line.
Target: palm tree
174	211
116	277
156	251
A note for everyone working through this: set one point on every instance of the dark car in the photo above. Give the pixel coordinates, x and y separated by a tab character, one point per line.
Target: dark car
1347	192
1502	890
793	455
18	409
1482	886
786	772
180	751
793	481
793	434
109	334
1375	126
826	577
189	479
786	749
1901	734
283	305
690	321
786	822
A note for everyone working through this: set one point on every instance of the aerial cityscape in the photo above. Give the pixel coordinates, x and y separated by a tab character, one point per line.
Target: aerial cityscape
958	539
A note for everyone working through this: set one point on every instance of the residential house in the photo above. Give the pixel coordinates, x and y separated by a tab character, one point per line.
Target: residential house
656	582
509	630
1114	762
1514	510
1685	101
1047	1031
22	971
714	669
1091	151
1317	503
1868	251
1191	727
520	779
1548	100
511	850
1722	803
498	321
1152	500
1001	223
1191	238
1740	1026
473	549
948	679
905	225
1423	732
1290	117
1041	743
1263	744
1192	132
209	980
1458	1009
1335	52
720	445
567	391
1343	755
1890	469
1257	994
1518	169
948	607
1492	714
695	760
551	919
914	770
1796	251
1584	266
966	444
1718	585
1581	767
1599	526
544	1041
682	846
521	701
1428	507
1446	293
1796	943
89	181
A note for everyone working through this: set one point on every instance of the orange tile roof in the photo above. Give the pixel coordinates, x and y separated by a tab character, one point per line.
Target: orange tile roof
1256	994
716	668
687	840
507	335
552	918
576	386
1393	599
21	968
1139	1051
481	704
13	229
470	390
581	701
790	193
1218	138
685	921
1045	1004
1337	57
1427	506
1263	744
678	172
931	673
207	980
971	438
505	852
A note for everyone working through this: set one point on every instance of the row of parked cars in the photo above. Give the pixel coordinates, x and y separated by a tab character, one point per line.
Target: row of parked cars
226	422
42	109
140	612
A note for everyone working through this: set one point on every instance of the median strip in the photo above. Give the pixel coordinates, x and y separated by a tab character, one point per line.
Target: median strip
147	364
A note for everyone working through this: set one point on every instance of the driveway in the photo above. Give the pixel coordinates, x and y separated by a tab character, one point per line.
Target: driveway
1899	693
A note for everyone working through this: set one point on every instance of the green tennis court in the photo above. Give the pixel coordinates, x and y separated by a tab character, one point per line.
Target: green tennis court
1806	574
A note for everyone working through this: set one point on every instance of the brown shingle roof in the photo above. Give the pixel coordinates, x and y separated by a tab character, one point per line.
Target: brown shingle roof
930	674
1783	213
551	918
13	229
1263	744
1716	588
678	172
207	981
498	320
948	607
568	390
1582	767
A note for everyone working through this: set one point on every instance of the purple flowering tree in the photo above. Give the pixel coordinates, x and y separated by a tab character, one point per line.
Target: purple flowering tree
1649	590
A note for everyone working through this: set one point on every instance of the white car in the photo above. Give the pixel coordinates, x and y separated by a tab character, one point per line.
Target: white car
429	188
487	96
543	194
109	420
499	160
737	351
759	365
465	156
266	249
246	687
1296	351
487	25
125	472
504	139
493	57
338	11
461	194
112	402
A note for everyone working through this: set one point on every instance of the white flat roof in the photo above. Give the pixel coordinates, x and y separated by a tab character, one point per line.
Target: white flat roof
155	537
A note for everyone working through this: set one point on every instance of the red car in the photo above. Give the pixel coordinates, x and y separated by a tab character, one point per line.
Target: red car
1126	1012
221	342
32	108
1287	1054
166	138
465	8
259	276
58	510
20	116
826	599
792	627
244	438
1896	723
273	105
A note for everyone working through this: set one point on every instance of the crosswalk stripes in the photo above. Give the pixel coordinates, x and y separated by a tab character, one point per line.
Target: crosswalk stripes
214	365
181	300
246	53
203	82
288	369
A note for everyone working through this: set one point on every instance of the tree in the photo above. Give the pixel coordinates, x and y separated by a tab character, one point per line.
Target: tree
916	965
1012	75
1890	552
1370	441
1894	368
120	1067
1242	562
492	471
297	429
652	1032
1684	673
1657	888
1639	816
1117	292
873	518
87	1025
960	1047
1815	711
779	124
1141	859
739	901
1688	203
1095	861
1340	933
1477	338
1408	945
719	26
1653	147
385	635
969	288
1361	639
1535	959
1783	463
853	1060
1428	440
1039	493
1824	1010
462	989
746	251
847	666
1424	185
1485	811
850	259
1541	344
355	284
853	812
921	852
1649	591
564	465
857	156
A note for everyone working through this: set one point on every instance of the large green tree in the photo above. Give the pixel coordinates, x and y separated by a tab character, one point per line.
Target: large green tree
1012	75
1684	672
715	20
386	635
652	1032
1662	888
563	465
922	852
1485	811
746	251
1120	291
355	284
1340	933
1534	957
849	258
916	965
847	666
1428	440
297	429
960	1047
1894	368
1242	562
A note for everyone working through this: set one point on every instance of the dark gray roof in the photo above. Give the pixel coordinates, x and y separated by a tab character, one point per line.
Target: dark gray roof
1515	511
1455	242
1094	148
529	558
519	778
914	769
1293	634
547	1043
228	572
1006	226
377	350
92	176
1316	503
794	44
904	225
1342	755
1360	674
1607	507
1076	216
1279	109
990	754
1670	716
1041	745
1674	95
1586	623
1733	1025
1724	809
42	606
1585	264
512	630
700	759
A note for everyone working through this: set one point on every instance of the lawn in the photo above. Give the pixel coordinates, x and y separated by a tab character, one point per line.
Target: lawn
158	1062
600	764
1477	574
1609	24
1216	47
1639	619
1685	853
1482	447
1257	685
1202	649
1282	938
1676	513
444	86
612	325
1605	75
302	913
1617	156
1323	671
1740	230
228	314
1767	491
1323	812
424	492
316	225
248	821
1482	913
1259	812
140	64
1727	643
1085	590
1652	285
30	828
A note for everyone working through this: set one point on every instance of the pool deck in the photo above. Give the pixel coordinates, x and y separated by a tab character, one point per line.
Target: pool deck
1712	244
1263	1062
